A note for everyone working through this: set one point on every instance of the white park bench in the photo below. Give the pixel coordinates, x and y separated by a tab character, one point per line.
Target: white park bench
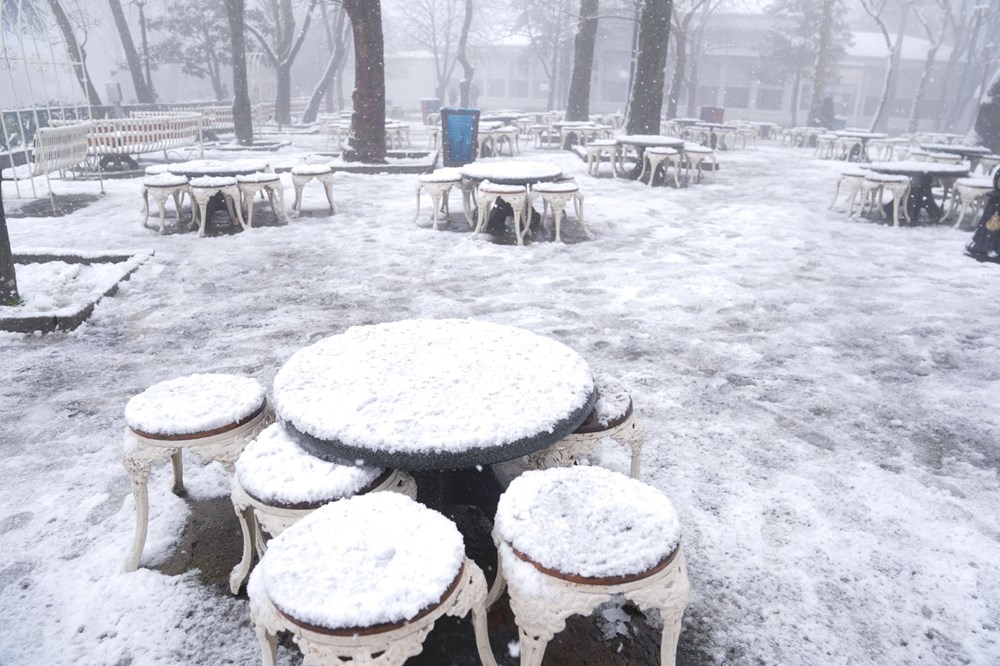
113	141
60	149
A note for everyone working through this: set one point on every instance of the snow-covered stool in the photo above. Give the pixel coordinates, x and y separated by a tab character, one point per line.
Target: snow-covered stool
277	483
699	156
556	195
745	133
211	415
989	162
883	149
516	195
265	183
853	180
508	134
971	192
877	183
545	136
826	146
303	173
850	149
655	156
596	150
363	580
487	143
613	416
569	539
162	186
438	186
203	188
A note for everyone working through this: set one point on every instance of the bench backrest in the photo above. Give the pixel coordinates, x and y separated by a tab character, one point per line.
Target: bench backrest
61	147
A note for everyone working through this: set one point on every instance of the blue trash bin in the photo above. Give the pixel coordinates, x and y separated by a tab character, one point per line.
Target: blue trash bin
459	136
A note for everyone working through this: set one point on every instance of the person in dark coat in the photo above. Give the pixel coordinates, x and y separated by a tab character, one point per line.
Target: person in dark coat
985	243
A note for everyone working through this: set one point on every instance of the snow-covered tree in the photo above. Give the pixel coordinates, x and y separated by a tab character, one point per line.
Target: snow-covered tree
197	40
646	97
578	101
132	60
242	112
367	141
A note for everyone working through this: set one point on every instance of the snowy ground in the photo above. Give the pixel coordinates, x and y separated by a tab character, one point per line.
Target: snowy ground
819	396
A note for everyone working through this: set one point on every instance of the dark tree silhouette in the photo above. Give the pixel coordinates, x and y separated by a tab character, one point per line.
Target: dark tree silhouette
142	92
578	102
367	141
242	113
646	98
8	278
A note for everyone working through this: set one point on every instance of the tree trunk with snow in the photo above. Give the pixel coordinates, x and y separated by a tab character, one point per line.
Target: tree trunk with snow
142	93
468	71
8	277
367	141
242	112
883	101
821	71
337	56
283	52
680	66
646	102
987	124
925	76
578	104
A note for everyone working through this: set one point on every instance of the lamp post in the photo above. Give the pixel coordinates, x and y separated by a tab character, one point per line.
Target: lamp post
141	4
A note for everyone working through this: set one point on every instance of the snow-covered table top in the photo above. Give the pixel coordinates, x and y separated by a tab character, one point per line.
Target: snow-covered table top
194	404
915	167
860	134
587	521
433	394
194	168
368	560
511	172
649	140
955	149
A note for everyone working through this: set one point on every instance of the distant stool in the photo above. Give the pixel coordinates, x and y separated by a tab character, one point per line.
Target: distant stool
163	186
508	134
826	145
277	483
545	136
612	416
203	188
265	183
516	195
970	192
363	581
877	183
557	195
438	186
487	143
989	162
656	156
303	173
211	415
596	150
570	539
698	157
854	180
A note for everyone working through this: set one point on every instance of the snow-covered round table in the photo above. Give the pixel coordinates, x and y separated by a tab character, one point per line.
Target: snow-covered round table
921	175
430	394
503	172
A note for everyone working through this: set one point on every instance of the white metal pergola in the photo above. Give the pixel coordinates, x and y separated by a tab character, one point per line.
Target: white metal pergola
38	84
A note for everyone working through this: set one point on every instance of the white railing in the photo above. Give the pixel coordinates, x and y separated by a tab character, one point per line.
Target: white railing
58	148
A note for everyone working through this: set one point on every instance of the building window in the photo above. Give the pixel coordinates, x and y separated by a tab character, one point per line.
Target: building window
496	88
518	88
736	98
770	99
707	95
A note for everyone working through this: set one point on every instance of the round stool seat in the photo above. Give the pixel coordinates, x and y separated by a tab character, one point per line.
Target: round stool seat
500	188
446	175
311	169
602	143
275	470
613	406
165	180
660	150
261	177
887	178
588	522
564	187
213	182
978	183
195	406
362	562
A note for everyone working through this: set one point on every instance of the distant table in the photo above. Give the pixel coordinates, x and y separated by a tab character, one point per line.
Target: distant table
643	141
971	153
862	136
921	175
216	168
504	172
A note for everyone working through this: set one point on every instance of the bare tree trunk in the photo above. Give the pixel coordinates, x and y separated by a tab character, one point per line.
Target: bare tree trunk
987	124
8	277
890	58
796	86
578	104
821	71
337	58
332	46
694	78
367	141
646	102
242	112
925	76
550	102
680	44
468	71
76	52
131	55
